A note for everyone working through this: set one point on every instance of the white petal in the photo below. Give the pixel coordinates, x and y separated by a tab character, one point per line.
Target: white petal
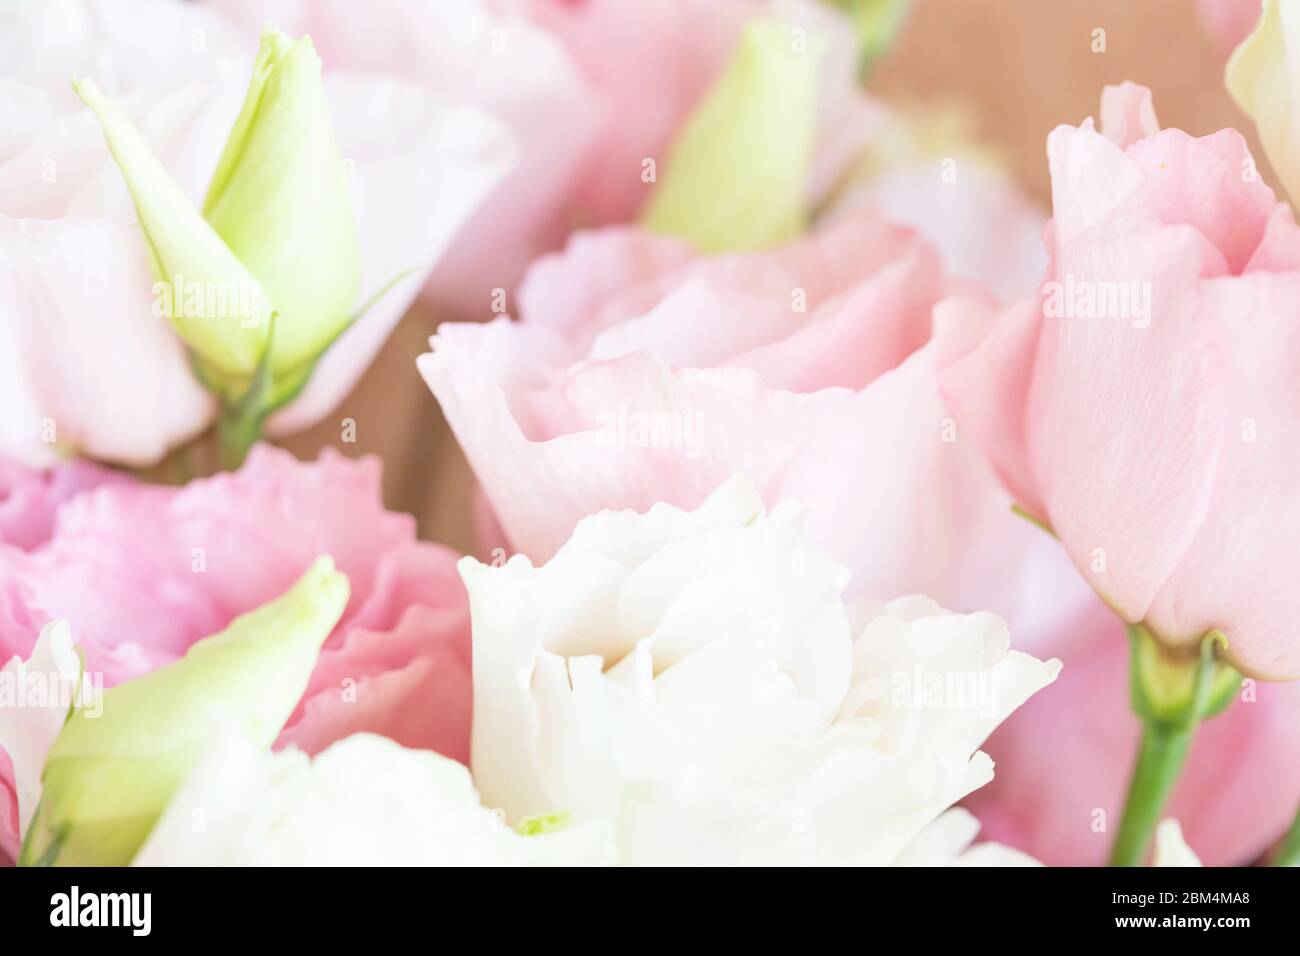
35	697
364	801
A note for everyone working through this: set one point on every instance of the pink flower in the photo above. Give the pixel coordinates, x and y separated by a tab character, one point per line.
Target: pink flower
639	372
141	572
1228	22
82	353
1068	755
30	499
1144	404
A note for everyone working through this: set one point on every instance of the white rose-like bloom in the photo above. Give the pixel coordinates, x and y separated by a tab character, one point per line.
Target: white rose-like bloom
696	678
363	801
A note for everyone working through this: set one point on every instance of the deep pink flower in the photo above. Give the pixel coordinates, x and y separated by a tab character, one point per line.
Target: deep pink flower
142	572
30	498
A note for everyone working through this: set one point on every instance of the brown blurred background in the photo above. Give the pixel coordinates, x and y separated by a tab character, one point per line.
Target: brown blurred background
1021	67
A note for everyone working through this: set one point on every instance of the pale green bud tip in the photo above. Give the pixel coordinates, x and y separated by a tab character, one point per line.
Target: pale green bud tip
211	299
108	777
1263	76
736	175
280	201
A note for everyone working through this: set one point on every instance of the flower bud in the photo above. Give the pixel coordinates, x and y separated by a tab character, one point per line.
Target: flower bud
277	239
1262	77
114	768
736	176
210	297
279	200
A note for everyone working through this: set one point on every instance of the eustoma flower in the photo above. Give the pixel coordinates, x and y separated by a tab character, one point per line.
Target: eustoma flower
142	572
816	362
88	360
696	678
1172	265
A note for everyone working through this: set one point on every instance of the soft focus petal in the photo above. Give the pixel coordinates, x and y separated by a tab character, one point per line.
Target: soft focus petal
38	695
1228	22
418	169
1261	77
75	301
1171	848
30	499
364	801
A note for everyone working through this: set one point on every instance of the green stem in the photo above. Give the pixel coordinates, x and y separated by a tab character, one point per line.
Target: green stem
1160	760
239	428
1288	854
1172	690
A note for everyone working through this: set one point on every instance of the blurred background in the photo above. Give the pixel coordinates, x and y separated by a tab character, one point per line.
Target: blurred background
1018	68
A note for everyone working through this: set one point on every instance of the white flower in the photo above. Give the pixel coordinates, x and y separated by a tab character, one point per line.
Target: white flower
364	801
695	678
1171	848
35	696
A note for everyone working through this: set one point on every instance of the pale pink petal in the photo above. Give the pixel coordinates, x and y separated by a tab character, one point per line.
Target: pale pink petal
717	422
1228	22
30	498
1227	580
85	365
1128	114
418	170
1126	482
988	387
676	49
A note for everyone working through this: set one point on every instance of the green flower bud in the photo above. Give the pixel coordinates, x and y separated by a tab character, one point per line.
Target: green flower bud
212	300
737	173
109	777
279	200
878	23
277	238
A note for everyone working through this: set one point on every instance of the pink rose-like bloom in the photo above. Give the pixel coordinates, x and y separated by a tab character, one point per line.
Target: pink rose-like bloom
142	572
30	499
640	372
1228	22
1144	405
1130	439
81	347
